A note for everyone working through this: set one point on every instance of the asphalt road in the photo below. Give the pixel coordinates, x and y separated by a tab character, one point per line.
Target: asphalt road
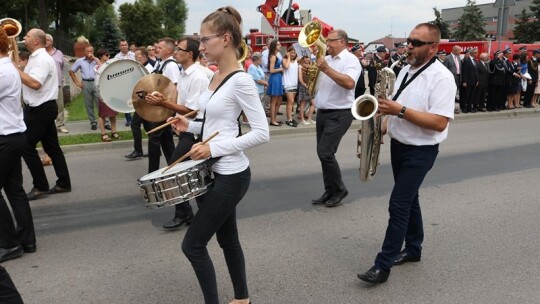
99	244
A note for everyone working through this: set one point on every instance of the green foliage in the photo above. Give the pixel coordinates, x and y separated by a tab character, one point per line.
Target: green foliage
470	24
442	25
524	30
141	22
104	31
174	14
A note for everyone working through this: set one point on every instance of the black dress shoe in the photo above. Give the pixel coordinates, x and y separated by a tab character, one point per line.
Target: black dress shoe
93	126
57	189
10	253
29	248
336	199
321	200
374	276
34	194
177	222
134	155
404	257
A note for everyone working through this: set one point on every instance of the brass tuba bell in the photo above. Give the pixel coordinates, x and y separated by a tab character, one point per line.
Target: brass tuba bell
13	29
311	34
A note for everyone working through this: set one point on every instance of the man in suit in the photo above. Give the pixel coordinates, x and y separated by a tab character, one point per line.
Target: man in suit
482	69
453	63
508	78
375	64
469	81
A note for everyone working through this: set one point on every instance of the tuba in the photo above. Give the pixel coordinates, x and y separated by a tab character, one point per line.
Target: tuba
370	135
311	34
13	28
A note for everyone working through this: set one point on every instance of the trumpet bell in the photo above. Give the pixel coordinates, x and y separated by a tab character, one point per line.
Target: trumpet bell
12	27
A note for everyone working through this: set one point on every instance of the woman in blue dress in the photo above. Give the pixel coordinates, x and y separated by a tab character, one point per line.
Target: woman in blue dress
275	82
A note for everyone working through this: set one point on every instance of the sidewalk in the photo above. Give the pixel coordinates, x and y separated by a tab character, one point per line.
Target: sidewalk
83	127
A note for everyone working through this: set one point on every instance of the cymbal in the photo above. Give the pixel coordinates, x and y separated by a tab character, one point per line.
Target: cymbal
147	85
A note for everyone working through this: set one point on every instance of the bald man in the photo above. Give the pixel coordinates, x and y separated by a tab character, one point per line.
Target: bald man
40	90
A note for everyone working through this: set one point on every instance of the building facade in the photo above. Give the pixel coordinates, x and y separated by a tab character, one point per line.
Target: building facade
490	13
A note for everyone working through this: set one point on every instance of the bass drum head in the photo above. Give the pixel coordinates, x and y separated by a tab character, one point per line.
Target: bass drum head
115	80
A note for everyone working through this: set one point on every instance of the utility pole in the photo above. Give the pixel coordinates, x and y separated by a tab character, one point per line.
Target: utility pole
502	18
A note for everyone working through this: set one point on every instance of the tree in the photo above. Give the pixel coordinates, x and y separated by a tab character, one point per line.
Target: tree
470	24
524	30
104	29
442	25
174	15
141	22
535	11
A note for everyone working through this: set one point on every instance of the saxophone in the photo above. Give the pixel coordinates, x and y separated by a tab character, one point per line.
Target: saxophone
365	108
312	34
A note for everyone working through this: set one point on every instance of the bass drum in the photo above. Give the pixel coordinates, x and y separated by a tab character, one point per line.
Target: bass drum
115	80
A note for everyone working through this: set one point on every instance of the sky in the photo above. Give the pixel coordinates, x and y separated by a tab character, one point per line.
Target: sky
362	20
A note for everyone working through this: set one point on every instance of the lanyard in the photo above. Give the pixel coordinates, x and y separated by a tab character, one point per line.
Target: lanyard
405	83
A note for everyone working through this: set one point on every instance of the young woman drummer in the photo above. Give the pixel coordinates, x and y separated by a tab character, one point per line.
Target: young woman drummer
221	37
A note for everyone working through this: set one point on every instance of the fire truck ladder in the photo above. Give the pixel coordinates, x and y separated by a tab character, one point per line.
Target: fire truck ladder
277	19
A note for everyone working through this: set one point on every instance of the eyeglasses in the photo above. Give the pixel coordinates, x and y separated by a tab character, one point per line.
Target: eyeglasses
333	39
205	39
176	49
418	43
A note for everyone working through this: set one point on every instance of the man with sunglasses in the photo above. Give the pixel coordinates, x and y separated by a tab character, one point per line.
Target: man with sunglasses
191	84
417	121
339	72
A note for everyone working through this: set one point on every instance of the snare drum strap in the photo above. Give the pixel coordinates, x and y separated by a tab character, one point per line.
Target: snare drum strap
211	161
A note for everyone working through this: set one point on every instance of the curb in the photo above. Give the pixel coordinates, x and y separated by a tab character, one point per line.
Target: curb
302	130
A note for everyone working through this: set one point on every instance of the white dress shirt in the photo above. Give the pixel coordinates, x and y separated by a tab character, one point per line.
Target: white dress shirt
171	69
433	91
222	110
192	83
130	55
329	94
42	68
11	113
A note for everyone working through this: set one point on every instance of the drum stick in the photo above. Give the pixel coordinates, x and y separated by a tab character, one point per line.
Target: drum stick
171	122
189	153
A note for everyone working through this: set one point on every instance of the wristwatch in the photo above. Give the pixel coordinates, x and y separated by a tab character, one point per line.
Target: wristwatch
402	112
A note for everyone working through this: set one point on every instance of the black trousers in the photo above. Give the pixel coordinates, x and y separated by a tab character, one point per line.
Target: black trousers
496	96
331	126
217	215
185	142
467	97
157	141
8	292
11	180
480	97
410	164
136	123
40	124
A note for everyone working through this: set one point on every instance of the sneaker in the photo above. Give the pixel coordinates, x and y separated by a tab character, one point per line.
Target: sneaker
128	123
134	155
63	130
312	121
290	123
93	126
305	123
108	126
295	123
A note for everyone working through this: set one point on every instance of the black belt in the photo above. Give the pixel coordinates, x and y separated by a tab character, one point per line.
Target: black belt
397	142
332	110
88	79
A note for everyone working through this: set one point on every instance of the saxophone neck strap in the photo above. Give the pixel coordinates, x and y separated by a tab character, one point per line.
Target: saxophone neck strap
405	82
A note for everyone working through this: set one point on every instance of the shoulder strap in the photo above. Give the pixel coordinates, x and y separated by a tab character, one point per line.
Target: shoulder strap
162	66
405	83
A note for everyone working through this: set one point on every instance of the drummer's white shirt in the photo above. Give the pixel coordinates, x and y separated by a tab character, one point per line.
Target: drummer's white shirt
191	84
170	70
222	110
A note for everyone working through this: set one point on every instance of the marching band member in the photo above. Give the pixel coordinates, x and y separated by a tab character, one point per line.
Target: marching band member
230	92
398	56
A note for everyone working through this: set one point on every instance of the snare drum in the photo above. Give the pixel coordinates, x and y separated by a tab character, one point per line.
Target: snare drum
115	80
184	181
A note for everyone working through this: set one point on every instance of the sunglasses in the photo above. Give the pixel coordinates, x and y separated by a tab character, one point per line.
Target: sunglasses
418	43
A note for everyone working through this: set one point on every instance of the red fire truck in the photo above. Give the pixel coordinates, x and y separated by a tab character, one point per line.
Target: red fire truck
287	34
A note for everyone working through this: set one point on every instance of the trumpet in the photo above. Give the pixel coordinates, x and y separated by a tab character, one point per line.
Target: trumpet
13	29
